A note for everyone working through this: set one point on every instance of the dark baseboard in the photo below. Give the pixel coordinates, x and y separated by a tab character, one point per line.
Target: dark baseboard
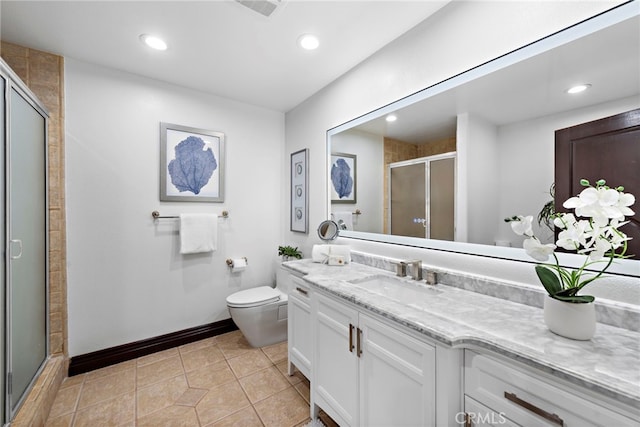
110	356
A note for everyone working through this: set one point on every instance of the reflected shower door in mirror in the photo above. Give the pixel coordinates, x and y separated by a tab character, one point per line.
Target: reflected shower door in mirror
500	119
421	195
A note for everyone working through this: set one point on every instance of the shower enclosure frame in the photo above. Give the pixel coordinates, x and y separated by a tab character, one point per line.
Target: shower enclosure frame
426	222
13	85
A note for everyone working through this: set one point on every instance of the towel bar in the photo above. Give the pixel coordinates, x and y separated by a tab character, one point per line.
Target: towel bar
357	212
156	215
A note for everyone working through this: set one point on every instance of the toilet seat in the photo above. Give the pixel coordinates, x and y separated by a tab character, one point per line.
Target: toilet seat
253	297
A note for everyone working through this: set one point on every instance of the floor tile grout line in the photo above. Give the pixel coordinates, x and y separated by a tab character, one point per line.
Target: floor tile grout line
75	406
135	394
270	355
186	379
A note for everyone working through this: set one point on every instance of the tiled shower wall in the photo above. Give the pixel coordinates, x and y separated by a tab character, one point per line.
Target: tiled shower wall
43	73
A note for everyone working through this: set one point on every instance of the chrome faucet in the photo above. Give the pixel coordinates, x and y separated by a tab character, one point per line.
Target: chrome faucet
416	269
432	278
401	269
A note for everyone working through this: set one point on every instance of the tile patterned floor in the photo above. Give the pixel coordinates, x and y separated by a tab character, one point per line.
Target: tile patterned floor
220	381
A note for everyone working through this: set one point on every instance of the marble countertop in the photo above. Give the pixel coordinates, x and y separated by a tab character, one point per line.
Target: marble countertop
608	364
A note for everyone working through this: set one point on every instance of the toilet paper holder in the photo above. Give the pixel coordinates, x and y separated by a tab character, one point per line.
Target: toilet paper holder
230	261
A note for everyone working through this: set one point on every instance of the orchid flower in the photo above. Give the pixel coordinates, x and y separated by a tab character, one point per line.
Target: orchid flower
537	250
523	226
596	235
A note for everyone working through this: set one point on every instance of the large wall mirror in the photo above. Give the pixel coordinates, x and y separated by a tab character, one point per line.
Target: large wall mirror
479	147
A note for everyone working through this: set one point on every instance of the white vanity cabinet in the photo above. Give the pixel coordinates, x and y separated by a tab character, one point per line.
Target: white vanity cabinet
299	333
368	373
499	393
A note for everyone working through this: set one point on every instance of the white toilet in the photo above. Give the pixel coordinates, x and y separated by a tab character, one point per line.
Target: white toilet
260	314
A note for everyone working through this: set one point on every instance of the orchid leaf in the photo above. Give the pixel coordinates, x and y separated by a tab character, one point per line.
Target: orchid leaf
578	299
569	292
549	279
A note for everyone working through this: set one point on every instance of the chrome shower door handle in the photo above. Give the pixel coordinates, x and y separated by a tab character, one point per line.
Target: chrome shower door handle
19	243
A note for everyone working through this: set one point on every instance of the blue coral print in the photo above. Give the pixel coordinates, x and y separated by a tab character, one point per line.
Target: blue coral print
341	178
193	166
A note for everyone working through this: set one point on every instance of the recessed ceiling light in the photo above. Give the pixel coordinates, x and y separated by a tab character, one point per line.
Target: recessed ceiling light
308	41
153	42
391	118
578	88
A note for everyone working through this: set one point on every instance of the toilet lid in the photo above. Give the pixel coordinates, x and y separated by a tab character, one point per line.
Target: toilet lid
255	296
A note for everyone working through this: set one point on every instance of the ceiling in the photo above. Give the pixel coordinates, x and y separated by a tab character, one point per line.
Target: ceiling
217	46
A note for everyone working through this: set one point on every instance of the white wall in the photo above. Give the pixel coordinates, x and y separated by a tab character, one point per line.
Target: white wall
477	146
456	38
126	278
369	151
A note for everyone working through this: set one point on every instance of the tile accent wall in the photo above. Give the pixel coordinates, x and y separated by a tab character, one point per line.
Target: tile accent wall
398	151
43	73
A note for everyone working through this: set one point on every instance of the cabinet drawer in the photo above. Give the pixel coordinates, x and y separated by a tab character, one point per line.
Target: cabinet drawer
300	289
530	400
477	415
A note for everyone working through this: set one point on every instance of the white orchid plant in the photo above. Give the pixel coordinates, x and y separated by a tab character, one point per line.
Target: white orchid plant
592	231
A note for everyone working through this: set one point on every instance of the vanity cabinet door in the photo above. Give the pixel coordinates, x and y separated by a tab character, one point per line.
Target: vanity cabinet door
334	376
299	328
368	373
397	377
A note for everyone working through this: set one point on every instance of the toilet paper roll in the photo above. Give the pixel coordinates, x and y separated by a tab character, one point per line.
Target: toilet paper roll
238	265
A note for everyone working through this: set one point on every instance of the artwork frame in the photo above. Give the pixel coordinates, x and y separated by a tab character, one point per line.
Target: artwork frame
188	146
350	160
299	185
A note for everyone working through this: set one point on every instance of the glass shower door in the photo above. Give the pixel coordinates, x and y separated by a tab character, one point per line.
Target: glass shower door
422	197
27	248
408	200
441	199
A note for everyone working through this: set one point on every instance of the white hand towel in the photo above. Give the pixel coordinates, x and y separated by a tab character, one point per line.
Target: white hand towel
198	233
321	253
346	217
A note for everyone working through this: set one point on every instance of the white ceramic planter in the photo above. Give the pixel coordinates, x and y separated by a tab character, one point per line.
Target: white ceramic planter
570	320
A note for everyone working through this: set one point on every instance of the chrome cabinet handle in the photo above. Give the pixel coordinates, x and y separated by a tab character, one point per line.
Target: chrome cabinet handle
19	242
351	338
302	291
530	407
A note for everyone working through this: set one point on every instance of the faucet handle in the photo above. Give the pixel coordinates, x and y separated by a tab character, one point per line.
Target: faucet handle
432	278
401	269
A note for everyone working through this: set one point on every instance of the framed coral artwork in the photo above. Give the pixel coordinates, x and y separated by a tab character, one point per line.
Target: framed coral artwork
343	178
191	164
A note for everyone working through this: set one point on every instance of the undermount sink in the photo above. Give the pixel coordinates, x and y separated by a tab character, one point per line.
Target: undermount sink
399	289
